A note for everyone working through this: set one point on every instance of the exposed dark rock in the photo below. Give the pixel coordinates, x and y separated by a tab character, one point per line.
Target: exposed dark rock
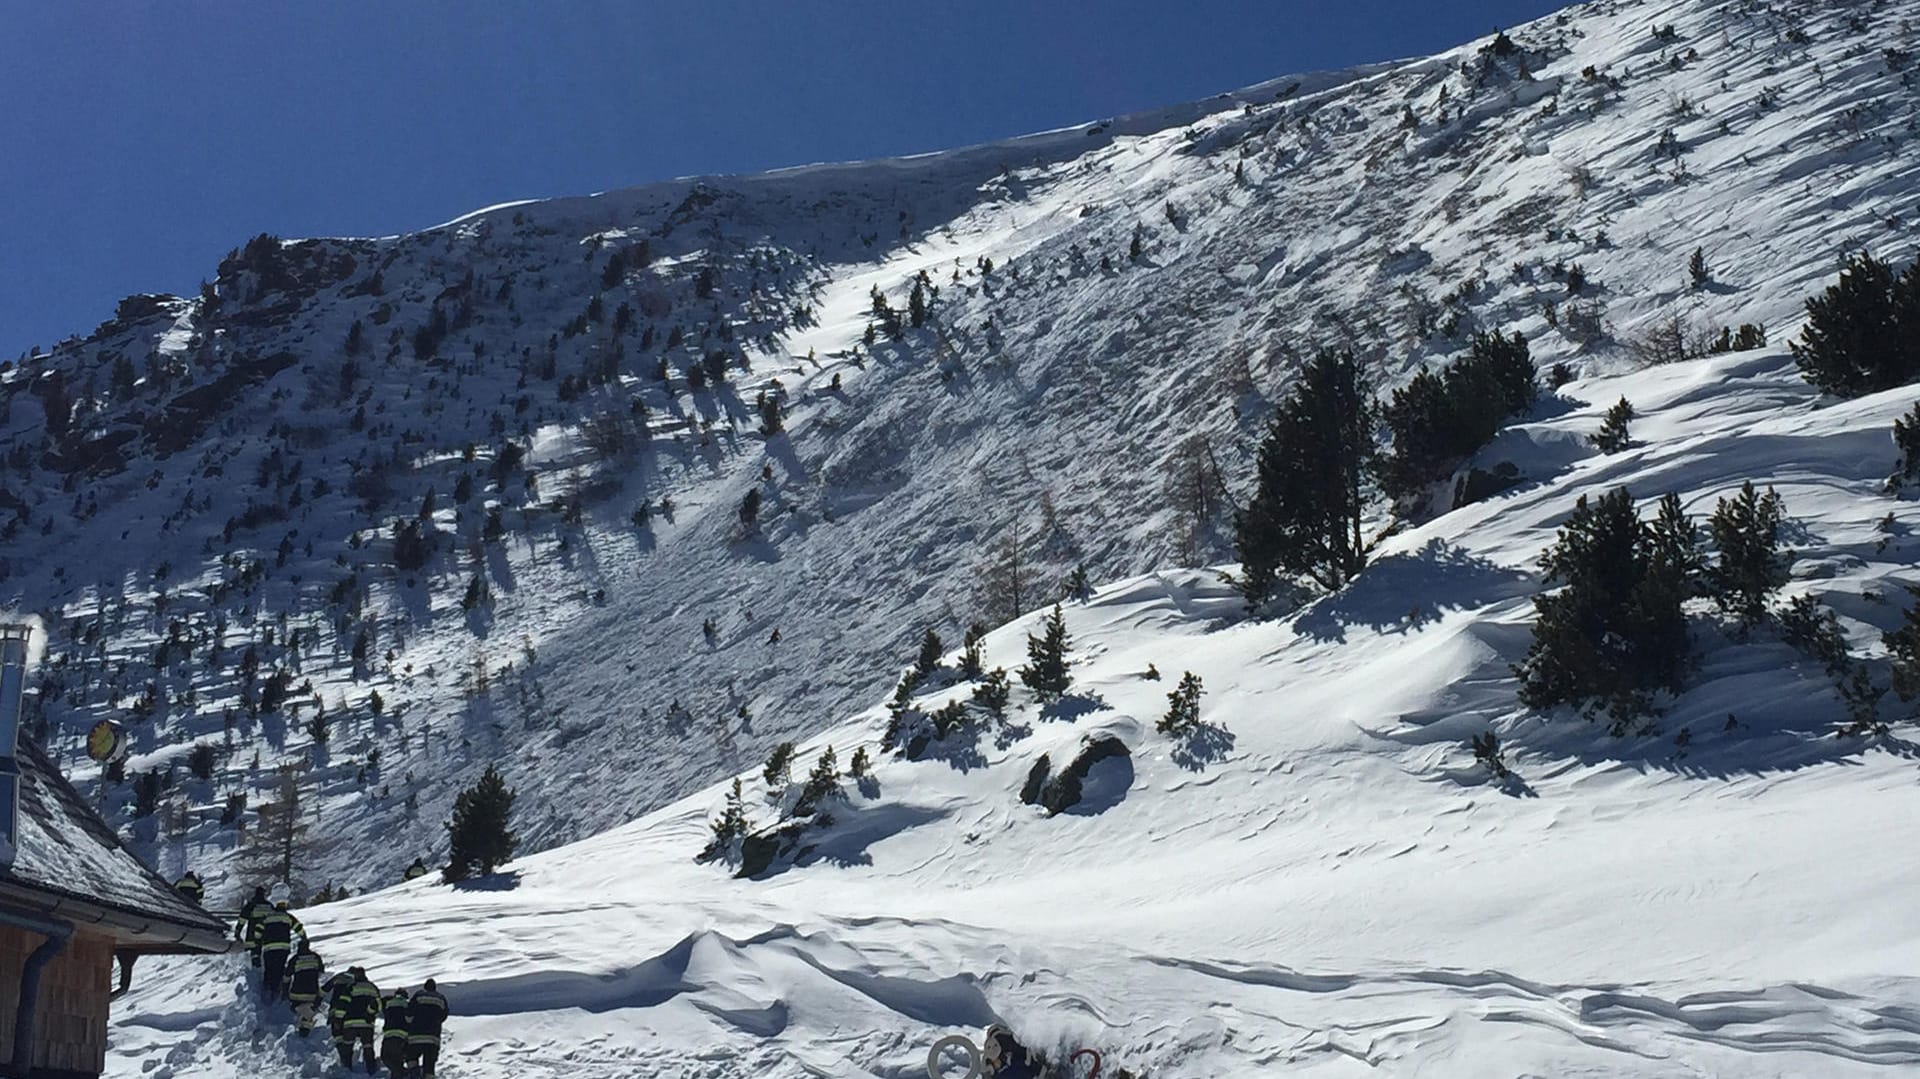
1036	779
1063	791
1481	484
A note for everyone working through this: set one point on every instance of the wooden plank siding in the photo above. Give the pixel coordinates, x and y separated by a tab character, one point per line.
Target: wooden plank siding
71	1033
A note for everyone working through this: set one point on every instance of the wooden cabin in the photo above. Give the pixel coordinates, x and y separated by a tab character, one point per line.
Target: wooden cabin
73	900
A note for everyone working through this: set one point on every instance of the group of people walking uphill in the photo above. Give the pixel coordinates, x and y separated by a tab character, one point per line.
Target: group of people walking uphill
409	1027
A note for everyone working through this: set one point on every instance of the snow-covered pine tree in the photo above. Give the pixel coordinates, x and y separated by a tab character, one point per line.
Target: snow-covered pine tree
1615	632
1614	436
1746	532
1078	588
1863	334
823	782
1305	514
750	511
733	824
994	691
480	835
778	771
1048	671
970	661
931	649
1183	707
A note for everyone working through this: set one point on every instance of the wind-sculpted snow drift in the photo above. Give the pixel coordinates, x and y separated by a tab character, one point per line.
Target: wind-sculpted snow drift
1322	881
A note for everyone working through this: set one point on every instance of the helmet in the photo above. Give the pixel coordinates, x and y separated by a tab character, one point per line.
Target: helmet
280	895
428	987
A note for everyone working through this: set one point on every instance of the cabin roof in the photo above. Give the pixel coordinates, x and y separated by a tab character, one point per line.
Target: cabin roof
65	852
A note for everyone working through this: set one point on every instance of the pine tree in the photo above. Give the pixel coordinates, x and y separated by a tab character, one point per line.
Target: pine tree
1863	334
201	760
1438	420
1675	541
778	771
1133	248
1486	750
1903	652
733	824
899	713
823	782
1047	672
1005	583
1077	586
931	649
1183	707
480	833
375	702
280	845
1697	269
1746	531
917	306
750	511
771	422
1613	436
477	593
994	692
1614	632
1906	439
1305	514
970	660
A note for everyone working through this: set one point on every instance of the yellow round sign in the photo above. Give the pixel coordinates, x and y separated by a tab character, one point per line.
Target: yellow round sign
106	742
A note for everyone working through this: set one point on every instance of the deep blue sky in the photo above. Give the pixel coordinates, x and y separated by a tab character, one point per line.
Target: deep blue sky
140	140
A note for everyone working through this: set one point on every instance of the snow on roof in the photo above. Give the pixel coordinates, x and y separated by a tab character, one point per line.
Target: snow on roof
65	849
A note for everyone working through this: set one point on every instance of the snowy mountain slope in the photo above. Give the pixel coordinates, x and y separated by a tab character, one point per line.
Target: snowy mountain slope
1286	218
1330	886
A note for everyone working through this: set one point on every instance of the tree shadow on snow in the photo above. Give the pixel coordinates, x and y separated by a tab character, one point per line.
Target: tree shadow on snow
962	753
1445	577
1207	744
491	882
1072	706
1006	734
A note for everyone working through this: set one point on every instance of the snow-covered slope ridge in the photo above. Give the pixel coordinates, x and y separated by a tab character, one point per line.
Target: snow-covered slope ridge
1325	884
242	475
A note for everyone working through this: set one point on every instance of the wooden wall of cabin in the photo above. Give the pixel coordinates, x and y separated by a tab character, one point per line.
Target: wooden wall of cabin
71	1033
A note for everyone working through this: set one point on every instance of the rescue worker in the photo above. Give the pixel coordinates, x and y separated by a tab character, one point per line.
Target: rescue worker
363	1007
417	870
424	1020
303	985
1006	1058
189	886
245	930
276	930
339	989
393	1032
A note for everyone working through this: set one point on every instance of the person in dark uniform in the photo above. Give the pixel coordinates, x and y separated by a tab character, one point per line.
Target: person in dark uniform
246	929
417	870
190	887
363	1007
303	985
393	1032
339	989
276	930
424	1020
